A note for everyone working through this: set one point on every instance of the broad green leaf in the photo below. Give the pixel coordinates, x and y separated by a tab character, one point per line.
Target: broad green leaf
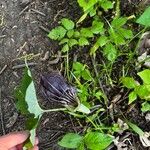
65	40
71	140
92	11
145	76
27	103
145	18
116	37
145	107
97	140
106	4
97	27
102	40
57	33
72	42
86	32
70	33
76	34
127	34
118	22
132	97
143	91
78	66
86	4
128	82
83	41
110	52
65	48
68	24
135	128
25	94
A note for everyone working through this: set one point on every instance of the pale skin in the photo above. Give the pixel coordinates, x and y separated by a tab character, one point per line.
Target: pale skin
14	141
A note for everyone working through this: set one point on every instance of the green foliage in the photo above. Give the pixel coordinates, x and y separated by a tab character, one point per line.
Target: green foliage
144	18
141	90
71	140
97	140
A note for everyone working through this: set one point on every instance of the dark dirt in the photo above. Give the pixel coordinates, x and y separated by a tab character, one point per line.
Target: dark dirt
21	31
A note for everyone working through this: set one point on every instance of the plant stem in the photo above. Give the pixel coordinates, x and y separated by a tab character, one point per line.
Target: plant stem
54	110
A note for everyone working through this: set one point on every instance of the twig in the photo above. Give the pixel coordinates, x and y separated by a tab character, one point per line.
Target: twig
55	61
3	69
58	13
23	10
1	114
2	36
38	12
24	65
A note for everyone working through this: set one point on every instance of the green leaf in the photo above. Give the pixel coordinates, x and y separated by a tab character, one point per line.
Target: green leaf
110	52
128	82
97	140
105	4
86	32
71	140
57	33
127	34
86	4
68	24
27	103
102	41
119	22
145	107
76	34
72	42
97	27
65	48
132	97
25	94
70	33
82	18
135	128
82	108
92	11
83	41
145	76
86	75
145	18
65	40
143	91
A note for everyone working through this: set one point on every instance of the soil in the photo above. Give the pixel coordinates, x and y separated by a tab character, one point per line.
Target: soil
23	29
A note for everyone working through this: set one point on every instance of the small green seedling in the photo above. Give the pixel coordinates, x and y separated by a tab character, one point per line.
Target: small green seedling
139	90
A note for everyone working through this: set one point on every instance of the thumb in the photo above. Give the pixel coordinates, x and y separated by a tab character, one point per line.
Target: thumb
11	140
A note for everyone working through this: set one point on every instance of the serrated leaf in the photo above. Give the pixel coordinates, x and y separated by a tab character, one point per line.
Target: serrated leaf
102	40
145	76
83	41
145	107
65	48
97	140
97	27
118	22
86	32
145	18
57	33
106	5
110	52
71	140
70	33
86	4
68	24
72	42
65	40
76	34
128	82
132	97
125	33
